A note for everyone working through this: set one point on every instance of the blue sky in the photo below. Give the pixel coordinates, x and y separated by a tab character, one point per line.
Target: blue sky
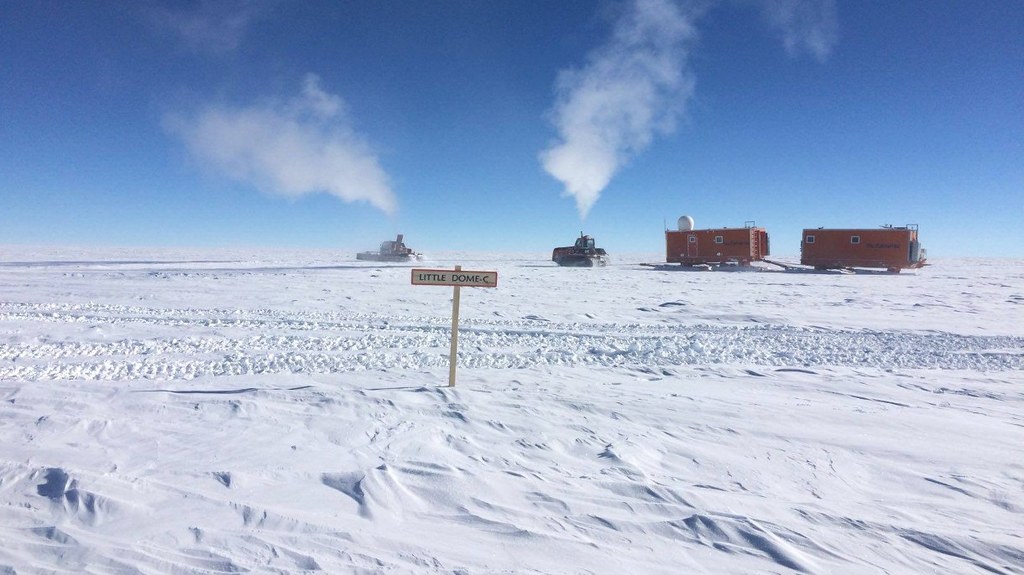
509	125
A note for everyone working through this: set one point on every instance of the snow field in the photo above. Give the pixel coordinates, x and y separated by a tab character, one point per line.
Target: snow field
281	414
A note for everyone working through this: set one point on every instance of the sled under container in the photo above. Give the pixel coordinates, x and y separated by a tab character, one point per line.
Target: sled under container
888	247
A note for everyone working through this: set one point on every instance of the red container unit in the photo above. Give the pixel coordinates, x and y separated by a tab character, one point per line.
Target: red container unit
887	247
690	247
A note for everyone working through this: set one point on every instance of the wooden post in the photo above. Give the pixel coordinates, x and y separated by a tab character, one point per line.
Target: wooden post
455	333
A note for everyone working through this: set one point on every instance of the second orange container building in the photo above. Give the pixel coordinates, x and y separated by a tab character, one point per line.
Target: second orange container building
891	248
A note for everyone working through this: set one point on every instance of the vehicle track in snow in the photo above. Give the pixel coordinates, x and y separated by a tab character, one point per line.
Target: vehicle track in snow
215	342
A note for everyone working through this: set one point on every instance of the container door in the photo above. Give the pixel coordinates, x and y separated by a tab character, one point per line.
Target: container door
691	246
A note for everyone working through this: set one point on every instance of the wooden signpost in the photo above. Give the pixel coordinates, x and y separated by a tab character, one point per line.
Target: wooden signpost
458	278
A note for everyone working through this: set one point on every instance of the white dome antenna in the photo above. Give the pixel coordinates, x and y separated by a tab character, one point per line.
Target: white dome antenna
685	223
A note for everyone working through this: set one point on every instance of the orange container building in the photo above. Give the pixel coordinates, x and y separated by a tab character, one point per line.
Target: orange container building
690	247
887	247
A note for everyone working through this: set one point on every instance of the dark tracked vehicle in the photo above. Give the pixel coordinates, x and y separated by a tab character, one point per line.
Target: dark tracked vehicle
584	254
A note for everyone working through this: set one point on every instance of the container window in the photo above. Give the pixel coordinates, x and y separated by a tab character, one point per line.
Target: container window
854	239
719	240
809	240
693	239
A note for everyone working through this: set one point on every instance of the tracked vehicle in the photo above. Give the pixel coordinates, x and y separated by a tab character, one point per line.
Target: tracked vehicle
583	254
390	251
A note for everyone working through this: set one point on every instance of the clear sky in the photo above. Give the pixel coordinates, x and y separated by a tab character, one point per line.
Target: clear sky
509	125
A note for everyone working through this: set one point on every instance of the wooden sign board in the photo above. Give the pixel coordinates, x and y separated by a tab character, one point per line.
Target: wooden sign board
457	278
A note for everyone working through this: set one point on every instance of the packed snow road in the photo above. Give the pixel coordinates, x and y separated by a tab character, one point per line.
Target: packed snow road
269	341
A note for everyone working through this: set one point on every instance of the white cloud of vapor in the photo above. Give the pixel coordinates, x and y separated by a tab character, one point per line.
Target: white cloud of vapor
630	89
805	25
636	85
294	148
633	87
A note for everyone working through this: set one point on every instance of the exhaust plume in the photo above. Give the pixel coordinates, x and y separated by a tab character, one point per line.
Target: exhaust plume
636	85
632	88
291	149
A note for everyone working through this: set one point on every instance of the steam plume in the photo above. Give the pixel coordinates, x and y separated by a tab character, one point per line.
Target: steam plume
302	146
632	88
636	85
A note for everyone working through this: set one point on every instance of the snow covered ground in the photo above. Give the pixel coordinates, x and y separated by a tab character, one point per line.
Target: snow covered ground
171	411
